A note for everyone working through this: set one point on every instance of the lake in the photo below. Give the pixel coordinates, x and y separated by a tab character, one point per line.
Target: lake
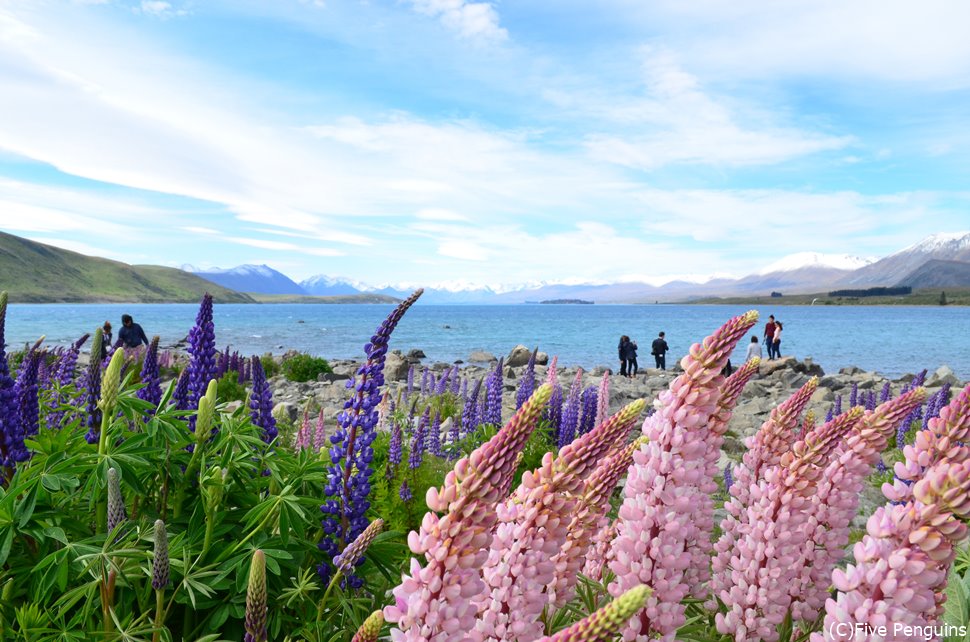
893	340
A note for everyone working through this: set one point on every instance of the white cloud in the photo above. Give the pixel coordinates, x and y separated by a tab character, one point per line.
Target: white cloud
892	40
438	214
267	244
160	9
677	122
80	247
471	20
464	250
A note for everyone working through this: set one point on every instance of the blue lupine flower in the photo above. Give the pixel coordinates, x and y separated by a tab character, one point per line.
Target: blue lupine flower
588	400
555	412
885	394
150	376
527	382
854	395
405	492
419	440
202	356
261	403
394	450
469	415
728	478
9	413
92	390
348	479
492	412
571	413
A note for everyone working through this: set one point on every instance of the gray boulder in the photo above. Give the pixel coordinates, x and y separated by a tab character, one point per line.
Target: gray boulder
286	410
943	375
519	356
480	356
396	367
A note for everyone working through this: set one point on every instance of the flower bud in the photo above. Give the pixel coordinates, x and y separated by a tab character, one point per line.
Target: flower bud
116	502
370	629
256	599
111	381
160	558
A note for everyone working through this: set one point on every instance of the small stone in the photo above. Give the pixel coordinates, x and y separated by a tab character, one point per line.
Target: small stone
480	356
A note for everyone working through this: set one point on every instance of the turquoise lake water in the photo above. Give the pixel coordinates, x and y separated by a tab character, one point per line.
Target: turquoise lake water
893	340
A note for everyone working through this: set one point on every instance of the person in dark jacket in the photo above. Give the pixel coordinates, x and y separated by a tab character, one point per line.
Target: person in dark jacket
131	334
621	350
659	351
631	359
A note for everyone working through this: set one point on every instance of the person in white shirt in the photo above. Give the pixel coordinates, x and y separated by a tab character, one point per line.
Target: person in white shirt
754	349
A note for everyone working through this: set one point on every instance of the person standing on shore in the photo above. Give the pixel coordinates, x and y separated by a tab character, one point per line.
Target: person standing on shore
631	359
770	335
659	351
105	339
131	335
776	340
621	350
754	349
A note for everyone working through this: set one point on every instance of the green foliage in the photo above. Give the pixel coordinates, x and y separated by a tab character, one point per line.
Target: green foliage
229	388
230	495
270	366
305	367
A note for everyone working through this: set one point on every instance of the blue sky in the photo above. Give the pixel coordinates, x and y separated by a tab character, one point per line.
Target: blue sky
449	141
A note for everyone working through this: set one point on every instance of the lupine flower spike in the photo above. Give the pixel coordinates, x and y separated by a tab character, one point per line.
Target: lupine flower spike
698	574
370	629
435	603
10	444
532	529
351	555
656	519
256	599
116	502
348	477
160	568
836	502
603	625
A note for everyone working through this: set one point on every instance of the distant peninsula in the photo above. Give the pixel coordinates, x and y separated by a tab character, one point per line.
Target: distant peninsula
565	302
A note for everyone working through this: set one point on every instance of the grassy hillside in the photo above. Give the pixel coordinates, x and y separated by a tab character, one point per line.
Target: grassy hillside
36	273
926	296
341	298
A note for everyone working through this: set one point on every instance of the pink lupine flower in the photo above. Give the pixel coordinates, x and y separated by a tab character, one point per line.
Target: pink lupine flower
663	487
603	399
319	433
603	625
589	519
600	551
533	528
700	547
772	535
765	449
551	375
438	602
304	433
904	558
836	501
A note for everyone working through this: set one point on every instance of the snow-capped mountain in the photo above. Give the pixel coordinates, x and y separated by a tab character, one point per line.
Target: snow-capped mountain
895	267
323	285
816	260
261	279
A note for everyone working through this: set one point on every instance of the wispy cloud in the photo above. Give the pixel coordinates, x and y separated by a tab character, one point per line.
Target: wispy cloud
160	9
472	20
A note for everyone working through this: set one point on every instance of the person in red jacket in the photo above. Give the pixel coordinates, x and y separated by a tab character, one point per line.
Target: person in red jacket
770	336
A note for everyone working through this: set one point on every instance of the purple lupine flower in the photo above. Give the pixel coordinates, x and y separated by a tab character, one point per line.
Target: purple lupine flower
116	501
527	382
44	370
885	394
728	479
409	388
180	396
555	412
9	416
434	436
261	403
492	412
441	386
405	492
426	382
419	440
829	415
202	352
28	405
871	400
854	395
394	450
571	412
588	401
64	375
837	410
456	382
92	391
152	392
469	415
348	479
919	380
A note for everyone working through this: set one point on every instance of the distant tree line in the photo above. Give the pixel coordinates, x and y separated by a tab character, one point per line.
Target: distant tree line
878	291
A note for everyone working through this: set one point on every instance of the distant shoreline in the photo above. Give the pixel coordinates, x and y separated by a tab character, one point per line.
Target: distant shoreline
923	297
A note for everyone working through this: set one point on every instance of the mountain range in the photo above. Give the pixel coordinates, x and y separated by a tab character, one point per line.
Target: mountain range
35	272
940	260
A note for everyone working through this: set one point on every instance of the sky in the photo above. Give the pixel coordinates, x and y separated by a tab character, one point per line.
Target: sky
449	142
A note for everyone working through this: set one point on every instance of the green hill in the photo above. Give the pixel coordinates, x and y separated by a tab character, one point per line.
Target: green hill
36	273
